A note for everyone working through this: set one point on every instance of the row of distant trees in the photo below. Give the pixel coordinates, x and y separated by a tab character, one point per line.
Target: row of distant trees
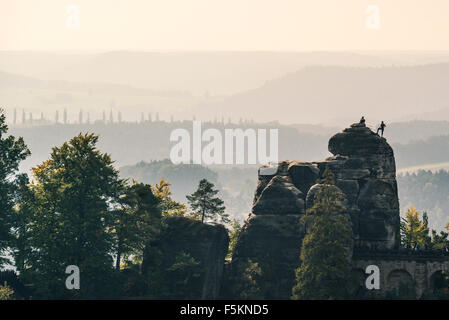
28	118
82	118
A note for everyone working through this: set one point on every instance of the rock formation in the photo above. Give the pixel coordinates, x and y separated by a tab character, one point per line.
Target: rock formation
364	168
207	244
365	171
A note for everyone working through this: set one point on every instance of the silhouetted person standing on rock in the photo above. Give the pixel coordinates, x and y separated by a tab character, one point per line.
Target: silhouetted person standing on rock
362	121
381	129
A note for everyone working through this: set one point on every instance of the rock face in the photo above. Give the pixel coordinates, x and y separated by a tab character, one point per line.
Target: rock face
280	195
272	235
364	168
365	171
207	244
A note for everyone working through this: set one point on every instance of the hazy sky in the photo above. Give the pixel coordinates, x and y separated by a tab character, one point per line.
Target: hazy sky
188	25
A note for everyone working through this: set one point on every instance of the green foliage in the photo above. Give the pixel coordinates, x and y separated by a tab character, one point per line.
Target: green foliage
246	281
234	234
327	199
427	239
132	283
6	293
440	241
205	205
21	245
414	231
137	222
168	206
155	273
183	277
325	270
72	222
12	152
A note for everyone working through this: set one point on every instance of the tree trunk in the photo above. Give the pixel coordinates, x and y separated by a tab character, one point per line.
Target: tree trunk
119	255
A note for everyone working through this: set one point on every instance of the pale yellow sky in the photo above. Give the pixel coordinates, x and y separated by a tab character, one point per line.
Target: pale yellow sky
190	25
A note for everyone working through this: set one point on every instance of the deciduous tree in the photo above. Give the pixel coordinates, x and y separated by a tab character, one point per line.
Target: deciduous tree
12	152
74	193
414	231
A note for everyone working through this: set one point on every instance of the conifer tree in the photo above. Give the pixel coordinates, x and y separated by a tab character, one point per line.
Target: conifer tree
205	205
325	270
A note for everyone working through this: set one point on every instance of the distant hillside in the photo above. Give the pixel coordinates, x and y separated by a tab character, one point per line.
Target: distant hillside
46	96
11	80
184	178
406	132
426	191
326	94
422	152
314	87
431	167
219	73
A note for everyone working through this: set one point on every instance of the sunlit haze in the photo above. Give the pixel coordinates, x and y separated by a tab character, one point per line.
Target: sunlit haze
282	25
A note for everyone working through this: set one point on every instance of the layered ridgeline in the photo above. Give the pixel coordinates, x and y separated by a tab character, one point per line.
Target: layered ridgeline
364	167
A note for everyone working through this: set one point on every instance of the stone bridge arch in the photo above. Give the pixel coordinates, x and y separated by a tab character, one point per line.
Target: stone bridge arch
436	274
420	272
401	282
436	281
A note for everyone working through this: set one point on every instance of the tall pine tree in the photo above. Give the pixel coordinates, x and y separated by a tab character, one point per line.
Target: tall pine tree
205	205
325	270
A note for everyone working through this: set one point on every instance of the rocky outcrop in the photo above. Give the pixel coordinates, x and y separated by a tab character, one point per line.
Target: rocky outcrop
365	171
272	235
274	242
279	196
364	168
207	244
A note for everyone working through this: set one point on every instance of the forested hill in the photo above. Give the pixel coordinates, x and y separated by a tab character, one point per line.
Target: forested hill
426	191
236	185
422	152
128	143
